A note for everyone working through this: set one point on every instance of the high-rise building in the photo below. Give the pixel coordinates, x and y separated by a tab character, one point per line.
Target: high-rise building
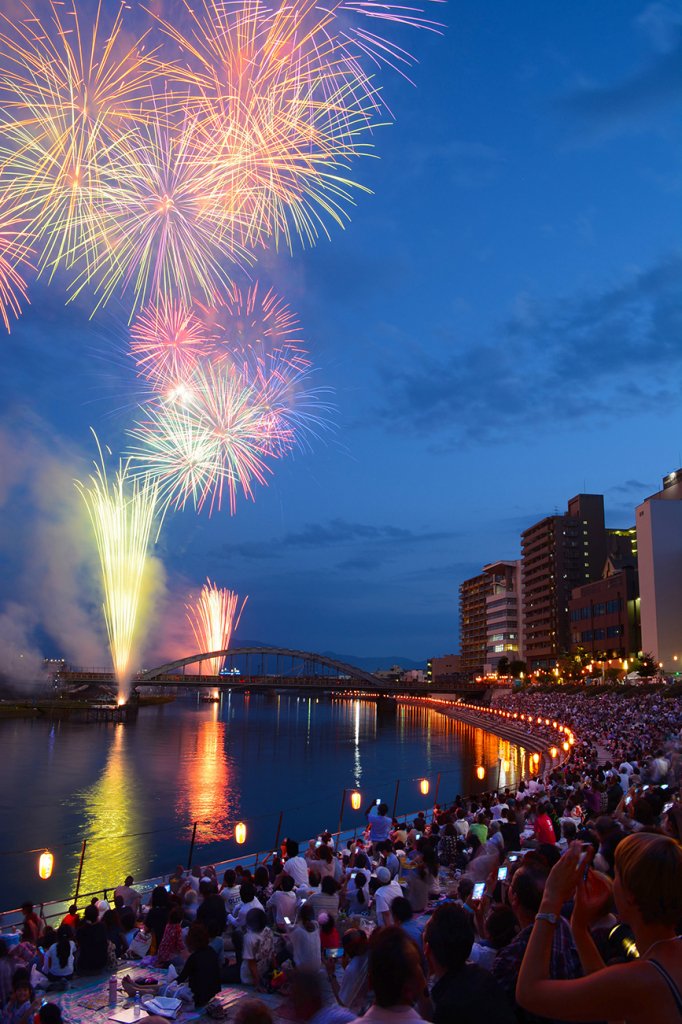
559	553
659	546
473	636
504	628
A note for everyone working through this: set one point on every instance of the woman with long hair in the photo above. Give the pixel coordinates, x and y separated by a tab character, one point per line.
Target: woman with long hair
648	894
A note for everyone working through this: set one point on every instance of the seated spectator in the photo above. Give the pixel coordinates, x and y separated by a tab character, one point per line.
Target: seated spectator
282	904
396	978
248	902
201	971
32	925
305	940
92	943
308	997
465	993
230	890
58	963
6	972
357	893
385	894
525	895
327	899
648	895
19	1007
252	1011
172	946
258	951
353	991
130	896
403	917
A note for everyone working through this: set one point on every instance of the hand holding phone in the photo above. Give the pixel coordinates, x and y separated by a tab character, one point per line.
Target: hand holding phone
479	889
502	873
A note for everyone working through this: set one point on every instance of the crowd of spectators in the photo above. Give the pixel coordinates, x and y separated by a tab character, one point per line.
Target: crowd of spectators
559	899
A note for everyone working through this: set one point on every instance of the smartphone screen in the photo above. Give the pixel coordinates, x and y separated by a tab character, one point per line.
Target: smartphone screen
418	835
502	874
332	954
353	874
377	802
287	920
479	889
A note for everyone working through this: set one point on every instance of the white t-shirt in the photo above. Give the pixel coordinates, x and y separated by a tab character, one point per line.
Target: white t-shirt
51	964
242	909
306	949
258	947
298	869
384	896
283	904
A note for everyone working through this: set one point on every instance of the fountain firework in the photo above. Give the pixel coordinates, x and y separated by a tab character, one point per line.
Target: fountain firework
213	618
122	515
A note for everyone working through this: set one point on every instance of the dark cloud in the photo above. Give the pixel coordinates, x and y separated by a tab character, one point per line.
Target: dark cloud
606	109
628	486
333	534
575	360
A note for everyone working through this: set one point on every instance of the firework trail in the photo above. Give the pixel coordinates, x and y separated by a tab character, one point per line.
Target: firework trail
14	252
69	94
213	618
122	515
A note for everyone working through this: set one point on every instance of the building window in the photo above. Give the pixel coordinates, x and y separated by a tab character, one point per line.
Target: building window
614	631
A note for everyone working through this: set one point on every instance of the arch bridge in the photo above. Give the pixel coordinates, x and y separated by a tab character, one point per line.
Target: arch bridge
263	666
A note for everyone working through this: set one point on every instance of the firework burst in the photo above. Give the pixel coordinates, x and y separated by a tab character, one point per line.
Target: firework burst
218	441
122	515
213	617
167	341
69	96
14	253
283	109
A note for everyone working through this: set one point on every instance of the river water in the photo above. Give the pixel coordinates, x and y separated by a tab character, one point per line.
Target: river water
133	790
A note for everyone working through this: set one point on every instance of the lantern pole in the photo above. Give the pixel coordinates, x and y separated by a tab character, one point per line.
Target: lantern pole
191	846
80	871
435	795
338	837
395	798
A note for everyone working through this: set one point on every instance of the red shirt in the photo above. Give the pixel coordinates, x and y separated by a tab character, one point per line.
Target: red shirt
544	829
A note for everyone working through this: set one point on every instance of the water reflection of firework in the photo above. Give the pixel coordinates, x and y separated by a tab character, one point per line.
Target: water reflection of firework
213	617
122	515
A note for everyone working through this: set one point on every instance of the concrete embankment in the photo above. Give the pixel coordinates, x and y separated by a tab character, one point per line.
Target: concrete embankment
514	732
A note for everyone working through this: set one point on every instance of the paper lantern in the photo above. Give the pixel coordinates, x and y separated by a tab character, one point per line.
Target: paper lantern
240	832
355	800
424	787
480	772
553	751
45	864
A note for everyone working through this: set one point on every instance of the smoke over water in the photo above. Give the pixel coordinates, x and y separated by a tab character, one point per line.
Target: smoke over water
48	586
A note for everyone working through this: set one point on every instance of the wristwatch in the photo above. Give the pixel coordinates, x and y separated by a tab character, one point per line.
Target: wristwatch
552	919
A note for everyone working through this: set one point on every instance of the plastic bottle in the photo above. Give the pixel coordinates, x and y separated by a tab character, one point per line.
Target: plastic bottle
136	1005
112	991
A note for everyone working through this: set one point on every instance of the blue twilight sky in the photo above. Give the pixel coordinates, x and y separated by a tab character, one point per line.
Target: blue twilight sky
500	324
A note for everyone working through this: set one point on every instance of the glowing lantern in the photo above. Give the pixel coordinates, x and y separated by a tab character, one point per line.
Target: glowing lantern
539	721
547	721
567	747
355	800
571	740
554	752
554	725
424	787
480	772
240	832
45	864
536	758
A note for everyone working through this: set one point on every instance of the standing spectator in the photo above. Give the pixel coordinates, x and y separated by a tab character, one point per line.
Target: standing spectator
130	896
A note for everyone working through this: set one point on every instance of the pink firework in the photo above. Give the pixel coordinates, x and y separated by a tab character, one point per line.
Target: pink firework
255	331
14	251
213	617
166	341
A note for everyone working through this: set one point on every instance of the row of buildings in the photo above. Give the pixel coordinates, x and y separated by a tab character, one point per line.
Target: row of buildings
580	584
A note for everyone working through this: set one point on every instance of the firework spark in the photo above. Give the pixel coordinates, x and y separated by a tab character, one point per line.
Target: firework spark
214	617
166	236
14	252
69	96
254	329
167	341
219	440
122	515
283	110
